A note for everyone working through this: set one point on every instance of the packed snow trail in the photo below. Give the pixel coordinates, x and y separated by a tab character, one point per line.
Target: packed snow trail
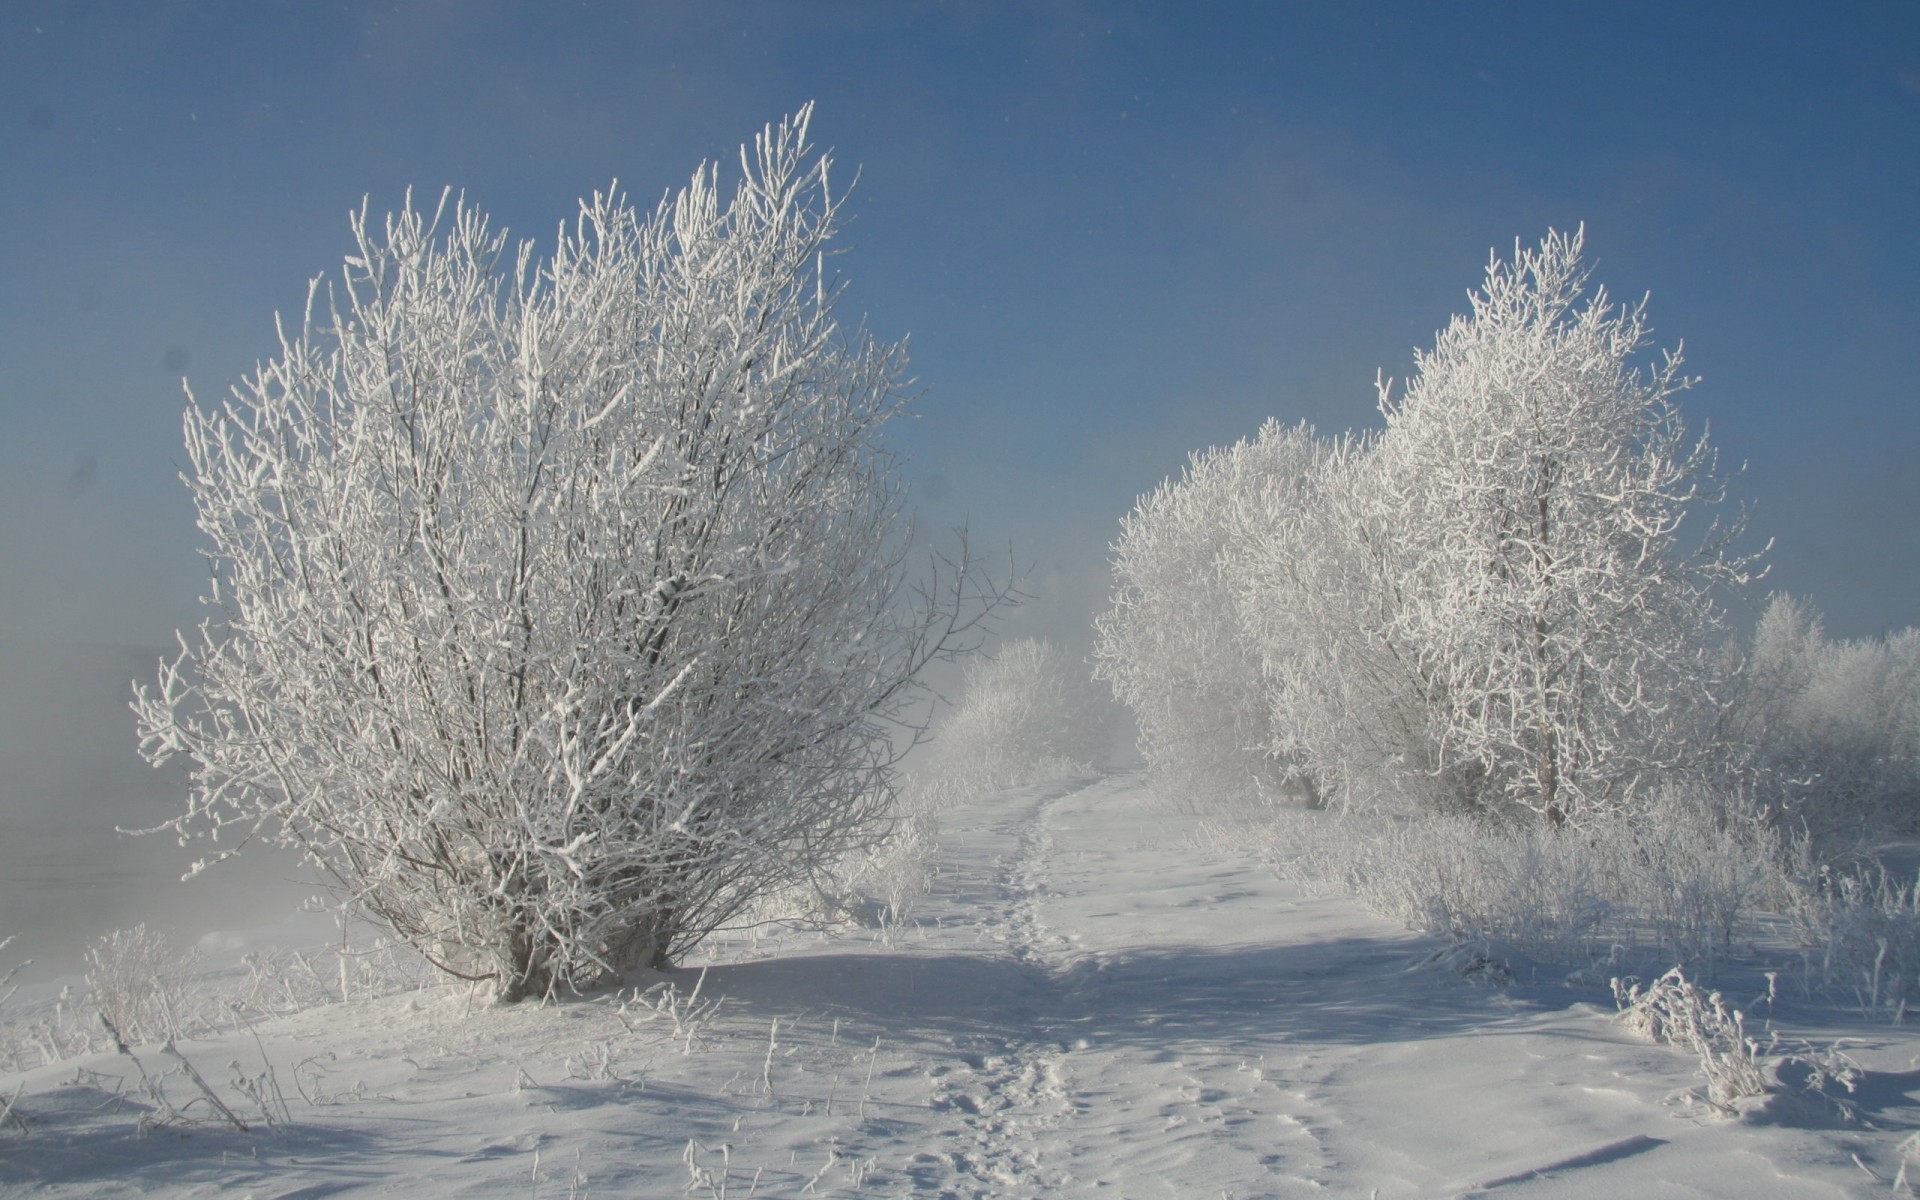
1091	1004
1120	1011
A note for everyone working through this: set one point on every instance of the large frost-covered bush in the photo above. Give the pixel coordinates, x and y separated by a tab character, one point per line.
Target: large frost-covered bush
561	605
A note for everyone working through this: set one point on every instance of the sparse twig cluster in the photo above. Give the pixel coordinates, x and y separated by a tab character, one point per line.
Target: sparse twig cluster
687	1013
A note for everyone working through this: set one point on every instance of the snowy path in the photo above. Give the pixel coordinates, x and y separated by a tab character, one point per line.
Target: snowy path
1094	1006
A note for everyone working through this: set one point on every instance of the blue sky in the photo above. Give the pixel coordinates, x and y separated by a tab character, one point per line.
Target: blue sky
1115	232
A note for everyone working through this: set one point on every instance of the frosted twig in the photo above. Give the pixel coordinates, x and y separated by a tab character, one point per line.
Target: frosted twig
10	1112
171	1051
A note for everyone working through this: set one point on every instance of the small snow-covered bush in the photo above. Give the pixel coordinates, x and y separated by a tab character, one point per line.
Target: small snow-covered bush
1675	1011
145	986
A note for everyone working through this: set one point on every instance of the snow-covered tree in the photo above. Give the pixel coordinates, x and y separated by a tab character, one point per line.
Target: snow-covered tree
561	607
1026	710
1837	723
1317	580
1252	629
1540	481
1175	645
1490	603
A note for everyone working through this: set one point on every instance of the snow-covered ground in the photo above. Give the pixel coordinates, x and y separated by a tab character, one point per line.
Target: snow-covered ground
1093	1002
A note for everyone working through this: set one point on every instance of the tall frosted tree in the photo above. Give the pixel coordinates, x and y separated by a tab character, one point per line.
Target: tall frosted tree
1176	647
1317	579
562	607
1252	630
1554	591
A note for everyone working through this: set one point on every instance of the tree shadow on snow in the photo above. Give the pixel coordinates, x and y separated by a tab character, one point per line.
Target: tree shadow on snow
1343	991
894	990
82	1132
1346	990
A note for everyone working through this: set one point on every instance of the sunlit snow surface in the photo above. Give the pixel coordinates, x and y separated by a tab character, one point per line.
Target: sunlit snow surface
1093	1004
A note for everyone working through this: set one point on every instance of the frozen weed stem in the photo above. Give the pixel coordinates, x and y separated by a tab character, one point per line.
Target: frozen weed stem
1675	1011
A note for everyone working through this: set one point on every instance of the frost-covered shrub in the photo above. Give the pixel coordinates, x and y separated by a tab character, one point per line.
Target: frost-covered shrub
1177	647
1679	878
1674	1010
144	985
1025	713
1454	875
1693	866
563	606
1837	726
1861	933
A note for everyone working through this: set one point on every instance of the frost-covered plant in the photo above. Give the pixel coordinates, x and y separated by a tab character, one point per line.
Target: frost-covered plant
144	986
1837	724
1175	646
1540	482
1861	930
7	985
278	980
1675	1011
877	888
1682	876
62	1028
1457	876
562	607
687	1013
1024	713
1488	606
9	1037
1316	578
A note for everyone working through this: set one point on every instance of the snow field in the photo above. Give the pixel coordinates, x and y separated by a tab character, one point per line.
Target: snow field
1092	1003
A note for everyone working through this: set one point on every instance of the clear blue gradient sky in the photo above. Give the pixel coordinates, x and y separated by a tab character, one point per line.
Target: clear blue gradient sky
1116	233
